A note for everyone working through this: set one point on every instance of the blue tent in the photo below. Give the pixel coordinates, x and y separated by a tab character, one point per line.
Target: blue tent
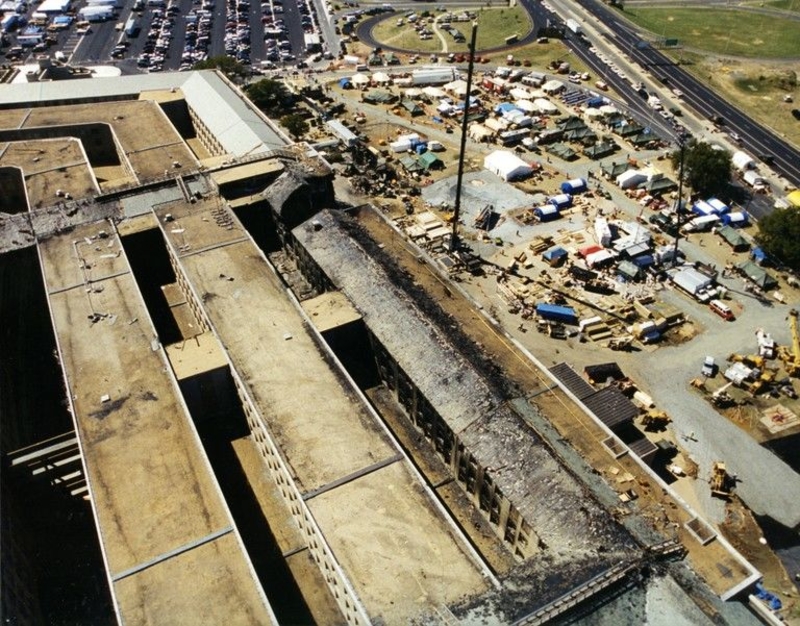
344	83
504	107
555	256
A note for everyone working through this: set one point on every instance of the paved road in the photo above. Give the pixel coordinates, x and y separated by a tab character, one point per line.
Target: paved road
755	138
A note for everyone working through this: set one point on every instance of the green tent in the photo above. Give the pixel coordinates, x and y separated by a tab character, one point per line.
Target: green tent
757	275
429	161
411	164
733	238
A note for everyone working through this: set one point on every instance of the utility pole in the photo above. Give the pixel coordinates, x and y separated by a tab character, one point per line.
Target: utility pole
462	150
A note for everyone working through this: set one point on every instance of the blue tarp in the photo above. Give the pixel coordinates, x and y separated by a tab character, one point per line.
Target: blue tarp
557	313
555	253
504	107
344	82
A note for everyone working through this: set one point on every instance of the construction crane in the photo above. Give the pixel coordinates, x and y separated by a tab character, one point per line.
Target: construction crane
791	360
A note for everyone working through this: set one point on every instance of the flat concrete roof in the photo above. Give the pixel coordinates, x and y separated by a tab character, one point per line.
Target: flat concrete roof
166	534
330	310
48	165
247	171
200	353
145	135
336	448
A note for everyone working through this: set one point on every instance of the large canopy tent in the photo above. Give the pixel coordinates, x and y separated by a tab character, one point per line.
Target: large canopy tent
507	165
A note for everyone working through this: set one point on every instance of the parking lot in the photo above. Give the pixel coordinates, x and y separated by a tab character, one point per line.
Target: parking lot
156	35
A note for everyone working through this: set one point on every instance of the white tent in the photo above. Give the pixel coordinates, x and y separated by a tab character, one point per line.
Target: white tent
413	92
630	179
380	77
433	92
593	113
457	87
479	132
496	124
742	161
545	106
553	86
525	105
520	93
506	165
360	79
608	109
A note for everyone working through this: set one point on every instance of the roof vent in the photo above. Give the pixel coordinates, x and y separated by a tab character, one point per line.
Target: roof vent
316	225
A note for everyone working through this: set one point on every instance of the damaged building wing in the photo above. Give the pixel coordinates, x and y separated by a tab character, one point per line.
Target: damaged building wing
531	500
298	193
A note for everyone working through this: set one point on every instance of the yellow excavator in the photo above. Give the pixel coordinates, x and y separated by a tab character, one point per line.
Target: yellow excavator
791	360
751	360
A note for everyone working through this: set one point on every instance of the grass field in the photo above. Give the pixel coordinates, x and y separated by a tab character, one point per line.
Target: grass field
725	32
758	89
494	25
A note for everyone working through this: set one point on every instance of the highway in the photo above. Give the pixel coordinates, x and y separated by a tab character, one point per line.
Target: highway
755	139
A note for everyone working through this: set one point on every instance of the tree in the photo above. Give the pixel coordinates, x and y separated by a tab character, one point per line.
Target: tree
778	234
228	66
269	95
705	169
295	124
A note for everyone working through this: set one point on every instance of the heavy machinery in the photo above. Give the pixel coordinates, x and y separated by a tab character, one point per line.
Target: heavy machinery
719	481
751	360
766	344
721	397
763	380
655	420
791	360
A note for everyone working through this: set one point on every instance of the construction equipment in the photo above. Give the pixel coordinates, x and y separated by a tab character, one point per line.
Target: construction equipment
763	378
751	360
766	344
655	419
721	397
791	360
719	481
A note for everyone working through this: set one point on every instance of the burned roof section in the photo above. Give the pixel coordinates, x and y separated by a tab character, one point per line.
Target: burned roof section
574	537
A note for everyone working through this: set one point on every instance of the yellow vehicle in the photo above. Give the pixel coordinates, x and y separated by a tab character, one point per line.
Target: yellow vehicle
791	360
719	481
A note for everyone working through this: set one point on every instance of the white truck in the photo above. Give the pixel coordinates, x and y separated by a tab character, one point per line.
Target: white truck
96	13
574	26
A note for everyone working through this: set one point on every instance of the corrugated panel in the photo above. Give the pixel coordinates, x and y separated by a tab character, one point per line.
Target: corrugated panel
572	380
643	448
611	407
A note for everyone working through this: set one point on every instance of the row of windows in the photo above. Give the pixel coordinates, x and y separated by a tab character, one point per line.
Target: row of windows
291	496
